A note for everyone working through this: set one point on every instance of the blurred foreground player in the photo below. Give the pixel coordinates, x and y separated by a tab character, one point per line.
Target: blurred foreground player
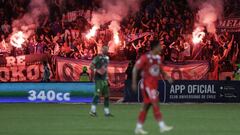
150	65
99	70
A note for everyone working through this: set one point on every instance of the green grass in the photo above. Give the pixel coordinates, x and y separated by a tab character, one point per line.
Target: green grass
73	119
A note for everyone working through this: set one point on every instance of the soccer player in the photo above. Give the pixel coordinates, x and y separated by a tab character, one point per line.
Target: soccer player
150	65
99	70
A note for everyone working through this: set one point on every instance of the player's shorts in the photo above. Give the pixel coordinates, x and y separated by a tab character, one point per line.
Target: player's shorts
101	88
150	94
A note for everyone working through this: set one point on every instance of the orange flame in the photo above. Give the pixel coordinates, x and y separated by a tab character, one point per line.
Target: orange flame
92	32
198	35
17	39
116	38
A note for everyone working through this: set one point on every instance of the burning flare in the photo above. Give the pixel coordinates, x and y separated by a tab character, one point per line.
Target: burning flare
198	35
17	39
92	32
115	27
116	38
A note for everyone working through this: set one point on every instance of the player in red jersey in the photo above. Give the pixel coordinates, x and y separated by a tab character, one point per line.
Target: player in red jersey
150	65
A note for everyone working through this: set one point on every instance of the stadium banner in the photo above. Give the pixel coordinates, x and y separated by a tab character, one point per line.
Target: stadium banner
191	92
200	91
69	70
22	68
189	70
73	15
229	25
46	92
132	37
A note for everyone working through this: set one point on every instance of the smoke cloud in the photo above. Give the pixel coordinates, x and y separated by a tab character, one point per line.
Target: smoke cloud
114	11
209	11
30	20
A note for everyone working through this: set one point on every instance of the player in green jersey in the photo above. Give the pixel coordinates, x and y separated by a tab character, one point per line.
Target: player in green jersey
99	70
237	73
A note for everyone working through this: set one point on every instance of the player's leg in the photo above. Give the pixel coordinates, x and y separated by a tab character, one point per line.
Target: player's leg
141	118
95	98
143	113
158	116
156	111
106	99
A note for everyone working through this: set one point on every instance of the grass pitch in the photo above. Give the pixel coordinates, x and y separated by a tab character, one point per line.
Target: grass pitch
73	119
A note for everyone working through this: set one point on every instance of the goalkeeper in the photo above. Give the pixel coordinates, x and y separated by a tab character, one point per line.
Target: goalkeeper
99	71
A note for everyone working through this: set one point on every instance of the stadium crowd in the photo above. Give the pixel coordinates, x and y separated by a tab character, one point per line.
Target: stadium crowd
62	33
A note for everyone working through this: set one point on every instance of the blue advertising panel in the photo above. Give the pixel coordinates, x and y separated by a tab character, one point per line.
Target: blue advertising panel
200	91
191	92
46	92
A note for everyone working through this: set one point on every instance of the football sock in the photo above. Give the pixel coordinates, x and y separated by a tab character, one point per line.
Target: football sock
157	113
142	117
139	125
95	100
106	102
161	124
93	108
106	111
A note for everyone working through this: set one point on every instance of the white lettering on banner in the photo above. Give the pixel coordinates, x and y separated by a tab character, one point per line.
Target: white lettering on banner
66	96
48	96
192	89
17	70
32	95
4	71
41	95
59	97
21	73
12	61
177	89
201	89
17	74
230	25
33	72
51	95
20	60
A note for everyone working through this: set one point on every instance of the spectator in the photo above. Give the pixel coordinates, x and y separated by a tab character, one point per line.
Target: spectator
170	21
65	50
84	76
46	73
6	28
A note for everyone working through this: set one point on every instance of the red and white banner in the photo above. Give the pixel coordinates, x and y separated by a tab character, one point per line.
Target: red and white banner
133	37
29	68
69	70
73	15
192	70
229	25
25	68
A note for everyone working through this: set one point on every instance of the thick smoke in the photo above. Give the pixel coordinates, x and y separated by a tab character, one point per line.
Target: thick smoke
209	11
114	11
30	20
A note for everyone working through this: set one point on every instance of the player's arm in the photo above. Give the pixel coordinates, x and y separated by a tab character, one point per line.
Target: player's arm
134	78
226	51
137	67
170	80
92	67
